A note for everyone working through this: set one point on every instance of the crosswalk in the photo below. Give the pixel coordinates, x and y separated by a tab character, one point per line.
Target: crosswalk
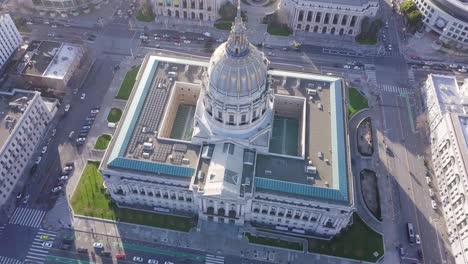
395	89
371	76
37	252
7	260
212	259
411	77
27	217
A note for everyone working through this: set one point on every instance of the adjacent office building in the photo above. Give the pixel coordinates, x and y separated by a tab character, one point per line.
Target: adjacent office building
337	17
65	8
10	38
24	116
448	18
447	108
232	141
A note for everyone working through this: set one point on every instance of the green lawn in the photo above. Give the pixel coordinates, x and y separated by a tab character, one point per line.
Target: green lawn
273	242
279	30
356	101
358	242
127	84
102	141
114	115
223	25
145	15
90	199
369	32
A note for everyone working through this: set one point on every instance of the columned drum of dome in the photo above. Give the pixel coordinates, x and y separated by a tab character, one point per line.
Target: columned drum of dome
235	100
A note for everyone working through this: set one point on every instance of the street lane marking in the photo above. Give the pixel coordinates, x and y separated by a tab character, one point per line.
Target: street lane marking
27	217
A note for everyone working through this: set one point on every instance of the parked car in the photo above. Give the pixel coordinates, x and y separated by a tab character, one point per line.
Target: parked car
44	150
152	261
137	259
82	250
38	160
98	245
431	192
67	108
56	189
121	257
94	111
433	204
71	134
418	239
26	198
63	178
428	180
106	254
83	96
19	195
67	168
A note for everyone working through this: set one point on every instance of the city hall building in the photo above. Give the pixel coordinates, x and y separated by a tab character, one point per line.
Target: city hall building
339	17
231	140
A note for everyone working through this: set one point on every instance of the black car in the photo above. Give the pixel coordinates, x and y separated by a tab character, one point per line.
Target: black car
82	250
420	255
106	254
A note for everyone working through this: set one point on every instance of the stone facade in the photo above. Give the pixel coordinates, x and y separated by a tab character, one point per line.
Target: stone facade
203	10
326	17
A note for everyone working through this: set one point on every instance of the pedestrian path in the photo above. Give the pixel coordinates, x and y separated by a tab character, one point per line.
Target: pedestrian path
27	217
7	260
212	259
38	252
394	89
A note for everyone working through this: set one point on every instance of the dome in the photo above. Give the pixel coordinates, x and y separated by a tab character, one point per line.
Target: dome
237	76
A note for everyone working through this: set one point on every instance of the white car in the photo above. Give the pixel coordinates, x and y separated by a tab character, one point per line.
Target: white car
187	41
137	259
461	70
433	204
67	168
83	96
94	111
347	66
38	160
71	134
56	189
431	192
418	239
63	178
428	180
26	198
44	150
54	26
453	66
152	261
168	262
98	245
47	244
54	132
67	108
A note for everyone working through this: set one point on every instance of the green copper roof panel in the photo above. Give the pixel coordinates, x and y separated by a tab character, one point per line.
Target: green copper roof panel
152	167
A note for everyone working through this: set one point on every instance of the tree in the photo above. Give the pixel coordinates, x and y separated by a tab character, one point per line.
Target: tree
228	11
414	18
408	6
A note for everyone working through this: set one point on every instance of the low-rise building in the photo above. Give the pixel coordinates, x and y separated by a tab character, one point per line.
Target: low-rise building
10	38
448	18
338	17
24	116
65	8
447	108
49	65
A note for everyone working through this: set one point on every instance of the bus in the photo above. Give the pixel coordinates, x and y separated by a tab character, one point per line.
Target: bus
411	237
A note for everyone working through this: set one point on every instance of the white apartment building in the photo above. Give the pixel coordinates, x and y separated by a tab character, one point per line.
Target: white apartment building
10	38
24	118
449	18
339	17
203	10
447	107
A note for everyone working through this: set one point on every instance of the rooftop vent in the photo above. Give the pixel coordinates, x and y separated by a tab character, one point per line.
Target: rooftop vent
268	172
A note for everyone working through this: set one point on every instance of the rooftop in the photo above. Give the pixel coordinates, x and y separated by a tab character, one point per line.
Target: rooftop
456	8
12	107
337	2
320	128
451	97
62	61
47	58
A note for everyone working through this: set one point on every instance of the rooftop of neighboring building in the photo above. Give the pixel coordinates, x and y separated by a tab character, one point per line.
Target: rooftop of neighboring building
451	97
456	8
337	2
62	62
12	107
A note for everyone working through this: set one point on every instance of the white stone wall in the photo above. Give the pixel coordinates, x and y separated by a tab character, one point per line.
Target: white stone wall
327	18
204	10
10	38
448	26
18	149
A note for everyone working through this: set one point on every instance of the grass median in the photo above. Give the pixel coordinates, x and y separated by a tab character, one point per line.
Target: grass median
273	242
114	115
128	83
103	141
356	101
91	199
